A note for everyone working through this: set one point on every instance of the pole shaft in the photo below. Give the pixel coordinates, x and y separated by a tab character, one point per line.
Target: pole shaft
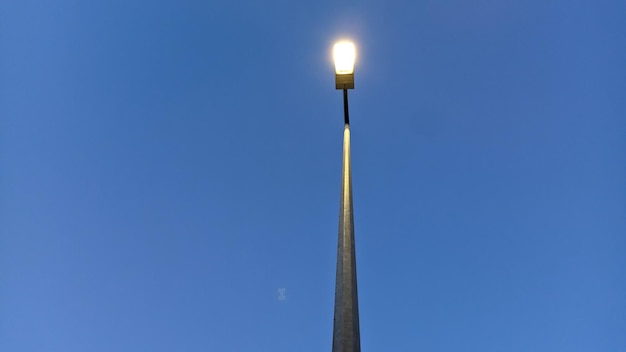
346	115
346	332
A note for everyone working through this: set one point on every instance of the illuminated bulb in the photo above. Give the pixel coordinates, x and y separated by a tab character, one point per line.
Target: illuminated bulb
344	54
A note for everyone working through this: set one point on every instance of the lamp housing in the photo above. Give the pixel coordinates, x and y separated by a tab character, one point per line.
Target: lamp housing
344	54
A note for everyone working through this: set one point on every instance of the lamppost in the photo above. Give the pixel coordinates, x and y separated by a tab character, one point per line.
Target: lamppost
346	335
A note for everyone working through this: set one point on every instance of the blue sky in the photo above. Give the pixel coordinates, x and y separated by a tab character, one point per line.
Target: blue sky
167	166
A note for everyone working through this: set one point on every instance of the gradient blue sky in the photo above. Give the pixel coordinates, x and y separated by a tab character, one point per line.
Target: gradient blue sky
167	166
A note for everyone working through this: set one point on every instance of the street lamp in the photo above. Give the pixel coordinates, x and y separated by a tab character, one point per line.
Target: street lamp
346	333
344	54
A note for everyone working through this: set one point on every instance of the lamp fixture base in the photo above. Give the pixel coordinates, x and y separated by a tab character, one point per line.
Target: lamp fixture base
344	81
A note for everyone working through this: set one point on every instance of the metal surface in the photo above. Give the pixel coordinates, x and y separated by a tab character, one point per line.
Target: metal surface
346	115
346	334
344	81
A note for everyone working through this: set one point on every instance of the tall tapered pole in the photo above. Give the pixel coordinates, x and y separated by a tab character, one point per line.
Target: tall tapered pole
346	334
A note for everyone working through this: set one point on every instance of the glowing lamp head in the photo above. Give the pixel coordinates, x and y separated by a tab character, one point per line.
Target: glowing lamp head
344	55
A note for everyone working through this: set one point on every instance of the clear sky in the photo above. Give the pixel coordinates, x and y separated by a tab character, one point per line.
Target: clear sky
166	167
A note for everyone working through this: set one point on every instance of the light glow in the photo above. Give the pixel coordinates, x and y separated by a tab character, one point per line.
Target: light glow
344	54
